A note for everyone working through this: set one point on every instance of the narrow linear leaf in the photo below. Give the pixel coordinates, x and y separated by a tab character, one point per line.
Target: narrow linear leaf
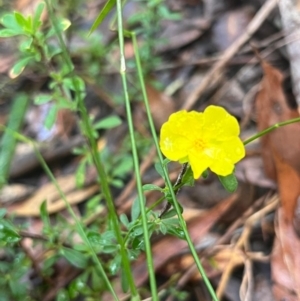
104	12
8	142
44	214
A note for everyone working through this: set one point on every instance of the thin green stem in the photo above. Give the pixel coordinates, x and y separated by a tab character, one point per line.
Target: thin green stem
270	129
169	184
88	132
135	156
78	223
8	143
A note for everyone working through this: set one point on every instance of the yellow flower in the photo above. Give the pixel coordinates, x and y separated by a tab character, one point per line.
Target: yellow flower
204	140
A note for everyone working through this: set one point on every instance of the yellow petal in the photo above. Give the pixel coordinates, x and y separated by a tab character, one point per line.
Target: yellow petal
233	150
222	167
228	154
205	140
218	122
174	142
199	163
173	146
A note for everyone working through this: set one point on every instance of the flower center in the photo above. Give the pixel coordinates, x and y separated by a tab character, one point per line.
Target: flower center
199	145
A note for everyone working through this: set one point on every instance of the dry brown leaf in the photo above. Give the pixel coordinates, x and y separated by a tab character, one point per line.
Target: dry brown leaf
290	15
286	260
65	122
178	34
25	159
175	35
14	193
7	61
230	25
48	192
280	148
250	170
161	105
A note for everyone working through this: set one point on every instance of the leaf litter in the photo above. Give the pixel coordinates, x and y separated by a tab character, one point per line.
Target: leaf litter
233	234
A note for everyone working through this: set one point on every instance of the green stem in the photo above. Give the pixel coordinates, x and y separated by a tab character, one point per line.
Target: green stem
78	223
169	184
88	132
8	142
135	156
270	129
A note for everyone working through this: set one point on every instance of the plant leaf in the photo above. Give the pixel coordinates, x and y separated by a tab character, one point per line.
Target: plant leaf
104	12
2	212
94	238
22	21
36	23
42	98
6	33
44	214
75	257
124	220
229	182
148	187
169	214
9	21
108	122
8	233
8	142
135	209
51	117
159	169
188	177
19	66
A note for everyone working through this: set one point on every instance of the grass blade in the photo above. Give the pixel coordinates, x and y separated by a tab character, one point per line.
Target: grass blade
104	12
8	142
